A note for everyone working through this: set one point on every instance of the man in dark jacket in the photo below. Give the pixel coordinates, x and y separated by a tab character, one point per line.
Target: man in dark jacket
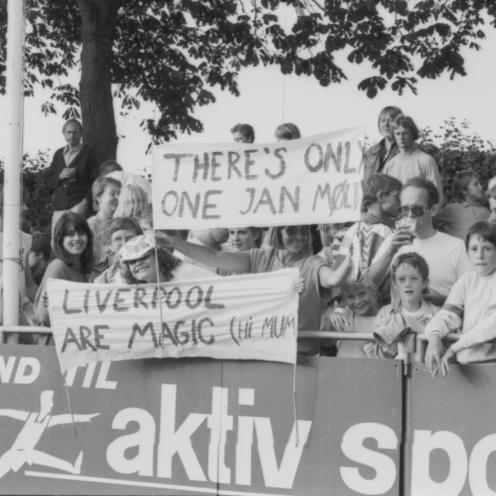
71	173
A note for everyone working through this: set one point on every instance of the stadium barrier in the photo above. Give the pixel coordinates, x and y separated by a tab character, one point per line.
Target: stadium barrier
199	426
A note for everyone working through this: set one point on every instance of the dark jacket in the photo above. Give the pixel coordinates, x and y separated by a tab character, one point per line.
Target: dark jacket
68	192
375	158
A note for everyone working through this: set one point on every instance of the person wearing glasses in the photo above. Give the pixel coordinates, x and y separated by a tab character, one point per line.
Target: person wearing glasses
445	254
290	246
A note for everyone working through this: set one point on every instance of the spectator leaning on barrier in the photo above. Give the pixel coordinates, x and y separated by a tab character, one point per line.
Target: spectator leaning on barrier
469	306
445	254
71	173
397	322
411	161
243	133
469	207
290	247
377	155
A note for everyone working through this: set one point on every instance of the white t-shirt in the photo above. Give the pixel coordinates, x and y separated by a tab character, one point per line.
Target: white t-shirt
470	305
416	163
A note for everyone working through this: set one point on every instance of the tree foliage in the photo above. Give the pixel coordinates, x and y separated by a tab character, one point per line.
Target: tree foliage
455	147
174	52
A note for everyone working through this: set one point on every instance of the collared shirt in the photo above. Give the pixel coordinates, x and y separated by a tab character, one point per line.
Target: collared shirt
71	153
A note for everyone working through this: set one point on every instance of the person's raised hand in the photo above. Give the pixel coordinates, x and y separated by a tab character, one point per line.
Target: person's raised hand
335	321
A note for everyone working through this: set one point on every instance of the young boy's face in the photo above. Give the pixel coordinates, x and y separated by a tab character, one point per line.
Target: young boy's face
109	199
120	237
410	284
482	255
362	301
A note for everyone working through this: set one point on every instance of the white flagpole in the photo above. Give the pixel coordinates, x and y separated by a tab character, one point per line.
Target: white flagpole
13	161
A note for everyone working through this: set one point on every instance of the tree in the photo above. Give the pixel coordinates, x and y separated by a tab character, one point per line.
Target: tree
173	52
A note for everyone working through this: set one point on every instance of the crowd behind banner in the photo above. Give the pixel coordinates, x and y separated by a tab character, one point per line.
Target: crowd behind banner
411	265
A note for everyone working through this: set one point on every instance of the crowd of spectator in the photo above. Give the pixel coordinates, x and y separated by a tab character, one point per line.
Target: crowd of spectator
412	265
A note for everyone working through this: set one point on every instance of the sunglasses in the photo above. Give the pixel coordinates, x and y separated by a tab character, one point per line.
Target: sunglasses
295	230
415	210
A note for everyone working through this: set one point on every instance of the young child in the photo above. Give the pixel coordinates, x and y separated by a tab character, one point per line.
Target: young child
117	232
397	322
469	207
470	305
105	192
360	298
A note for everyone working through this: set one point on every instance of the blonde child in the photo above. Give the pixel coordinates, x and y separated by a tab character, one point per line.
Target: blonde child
361	306
133	202
397	322
105	193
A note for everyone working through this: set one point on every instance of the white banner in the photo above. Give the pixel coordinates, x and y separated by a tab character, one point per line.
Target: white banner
307	181
252	316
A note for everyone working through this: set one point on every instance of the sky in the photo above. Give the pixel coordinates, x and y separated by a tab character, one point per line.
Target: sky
268	98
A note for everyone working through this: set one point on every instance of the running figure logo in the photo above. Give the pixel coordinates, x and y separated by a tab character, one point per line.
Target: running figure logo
35	423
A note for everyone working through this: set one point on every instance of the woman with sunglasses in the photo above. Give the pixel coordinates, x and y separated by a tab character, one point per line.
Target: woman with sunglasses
290	247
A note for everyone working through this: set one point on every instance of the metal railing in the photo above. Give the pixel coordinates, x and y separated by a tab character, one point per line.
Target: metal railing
8	336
